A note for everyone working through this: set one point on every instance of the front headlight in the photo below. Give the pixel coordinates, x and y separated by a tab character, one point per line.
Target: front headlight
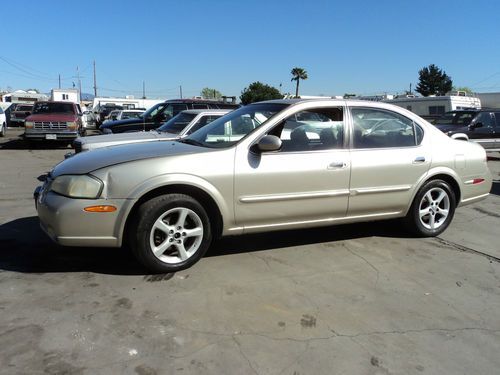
77	186
71	125
28	124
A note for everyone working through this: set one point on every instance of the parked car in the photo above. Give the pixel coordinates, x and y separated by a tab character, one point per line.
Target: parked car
124	114
481	126
158	114
3	123
179	126
169	200
103	111
19	114
55	121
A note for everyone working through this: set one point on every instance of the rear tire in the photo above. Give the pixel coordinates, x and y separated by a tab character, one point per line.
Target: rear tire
170	233
432	209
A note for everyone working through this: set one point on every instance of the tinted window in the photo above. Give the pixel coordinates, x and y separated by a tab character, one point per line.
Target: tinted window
456	118
24	108
204	120
374	128
53	107
314	129
177	124
200	106
497	116
436	109
485	118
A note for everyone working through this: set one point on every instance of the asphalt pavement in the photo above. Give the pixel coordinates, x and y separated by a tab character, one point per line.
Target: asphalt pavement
351	299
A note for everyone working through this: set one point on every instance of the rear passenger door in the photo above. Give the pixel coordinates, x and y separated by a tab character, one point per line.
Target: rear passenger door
389	155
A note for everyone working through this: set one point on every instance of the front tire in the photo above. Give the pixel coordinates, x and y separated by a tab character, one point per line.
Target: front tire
432	209
4	130
170	233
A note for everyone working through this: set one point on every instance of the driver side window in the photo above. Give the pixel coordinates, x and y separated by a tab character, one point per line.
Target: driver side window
313	129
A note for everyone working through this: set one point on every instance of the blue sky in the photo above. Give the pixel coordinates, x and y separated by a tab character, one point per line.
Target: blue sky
362	47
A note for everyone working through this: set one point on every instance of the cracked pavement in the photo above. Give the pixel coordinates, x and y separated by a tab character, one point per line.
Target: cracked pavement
351	299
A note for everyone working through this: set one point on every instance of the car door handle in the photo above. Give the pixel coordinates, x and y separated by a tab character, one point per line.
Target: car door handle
419	159
337	165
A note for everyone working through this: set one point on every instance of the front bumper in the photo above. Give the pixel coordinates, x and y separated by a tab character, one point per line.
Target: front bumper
48	136
66	223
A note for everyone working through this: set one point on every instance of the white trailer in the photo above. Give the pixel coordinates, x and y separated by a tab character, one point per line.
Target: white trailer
128	102
432	107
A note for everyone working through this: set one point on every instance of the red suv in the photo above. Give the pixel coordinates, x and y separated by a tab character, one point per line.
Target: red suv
56	121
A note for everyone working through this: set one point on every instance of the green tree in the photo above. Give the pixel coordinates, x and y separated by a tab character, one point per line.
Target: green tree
433	81
257	92
298	74
468	90
208	93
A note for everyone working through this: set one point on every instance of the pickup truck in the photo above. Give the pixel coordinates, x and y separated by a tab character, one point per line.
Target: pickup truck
54	121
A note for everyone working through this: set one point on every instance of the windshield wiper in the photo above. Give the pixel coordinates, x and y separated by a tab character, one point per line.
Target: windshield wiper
191	142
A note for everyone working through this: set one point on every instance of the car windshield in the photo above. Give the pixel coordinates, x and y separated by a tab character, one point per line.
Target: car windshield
154	110
53	108
456	118
177	123
229	129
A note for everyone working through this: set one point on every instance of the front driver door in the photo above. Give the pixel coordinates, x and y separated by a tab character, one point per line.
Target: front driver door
306	182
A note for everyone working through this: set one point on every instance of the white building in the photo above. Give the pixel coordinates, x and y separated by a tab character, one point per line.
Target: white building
489	99
65	95
129	102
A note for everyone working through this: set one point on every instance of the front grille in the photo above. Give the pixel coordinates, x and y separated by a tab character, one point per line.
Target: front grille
50	125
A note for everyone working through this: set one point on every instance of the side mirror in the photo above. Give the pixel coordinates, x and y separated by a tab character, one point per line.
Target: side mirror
475	125
269	143
27	113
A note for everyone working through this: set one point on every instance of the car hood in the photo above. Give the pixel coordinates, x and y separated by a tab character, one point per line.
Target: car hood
86	162
128	121
52	117
107	140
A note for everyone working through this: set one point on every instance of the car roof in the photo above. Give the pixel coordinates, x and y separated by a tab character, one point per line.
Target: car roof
213	111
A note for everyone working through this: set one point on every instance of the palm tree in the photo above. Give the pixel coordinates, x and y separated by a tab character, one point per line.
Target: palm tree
298	74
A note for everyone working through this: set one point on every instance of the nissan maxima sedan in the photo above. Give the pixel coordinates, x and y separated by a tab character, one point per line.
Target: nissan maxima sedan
179	126
267	166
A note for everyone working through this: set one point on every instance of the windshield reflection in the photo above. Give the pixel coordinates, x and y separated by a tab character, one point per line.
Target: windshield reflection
229	129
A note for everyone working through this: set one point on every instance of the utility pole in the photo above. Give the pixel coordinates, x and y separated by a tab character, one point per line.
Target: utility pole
410	88
180	91
95	85
59	81
143	89
79	83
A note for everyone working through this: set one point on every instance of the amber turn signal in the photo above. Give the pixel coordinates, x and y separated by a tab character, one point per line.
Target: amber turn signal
100	209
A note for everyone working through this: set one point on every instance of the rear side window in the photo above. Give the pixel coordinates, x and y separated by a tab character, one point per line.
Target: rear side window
377	128
484	118
497	116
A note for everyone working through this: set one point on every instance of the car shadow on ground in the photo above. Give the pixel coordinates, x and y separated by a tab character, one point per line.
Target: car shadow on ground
21	144
25	248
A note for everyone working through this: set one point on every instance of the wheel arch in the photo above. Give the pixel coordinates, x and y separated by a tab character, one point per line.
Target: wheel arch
203	197
460	137
440	175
